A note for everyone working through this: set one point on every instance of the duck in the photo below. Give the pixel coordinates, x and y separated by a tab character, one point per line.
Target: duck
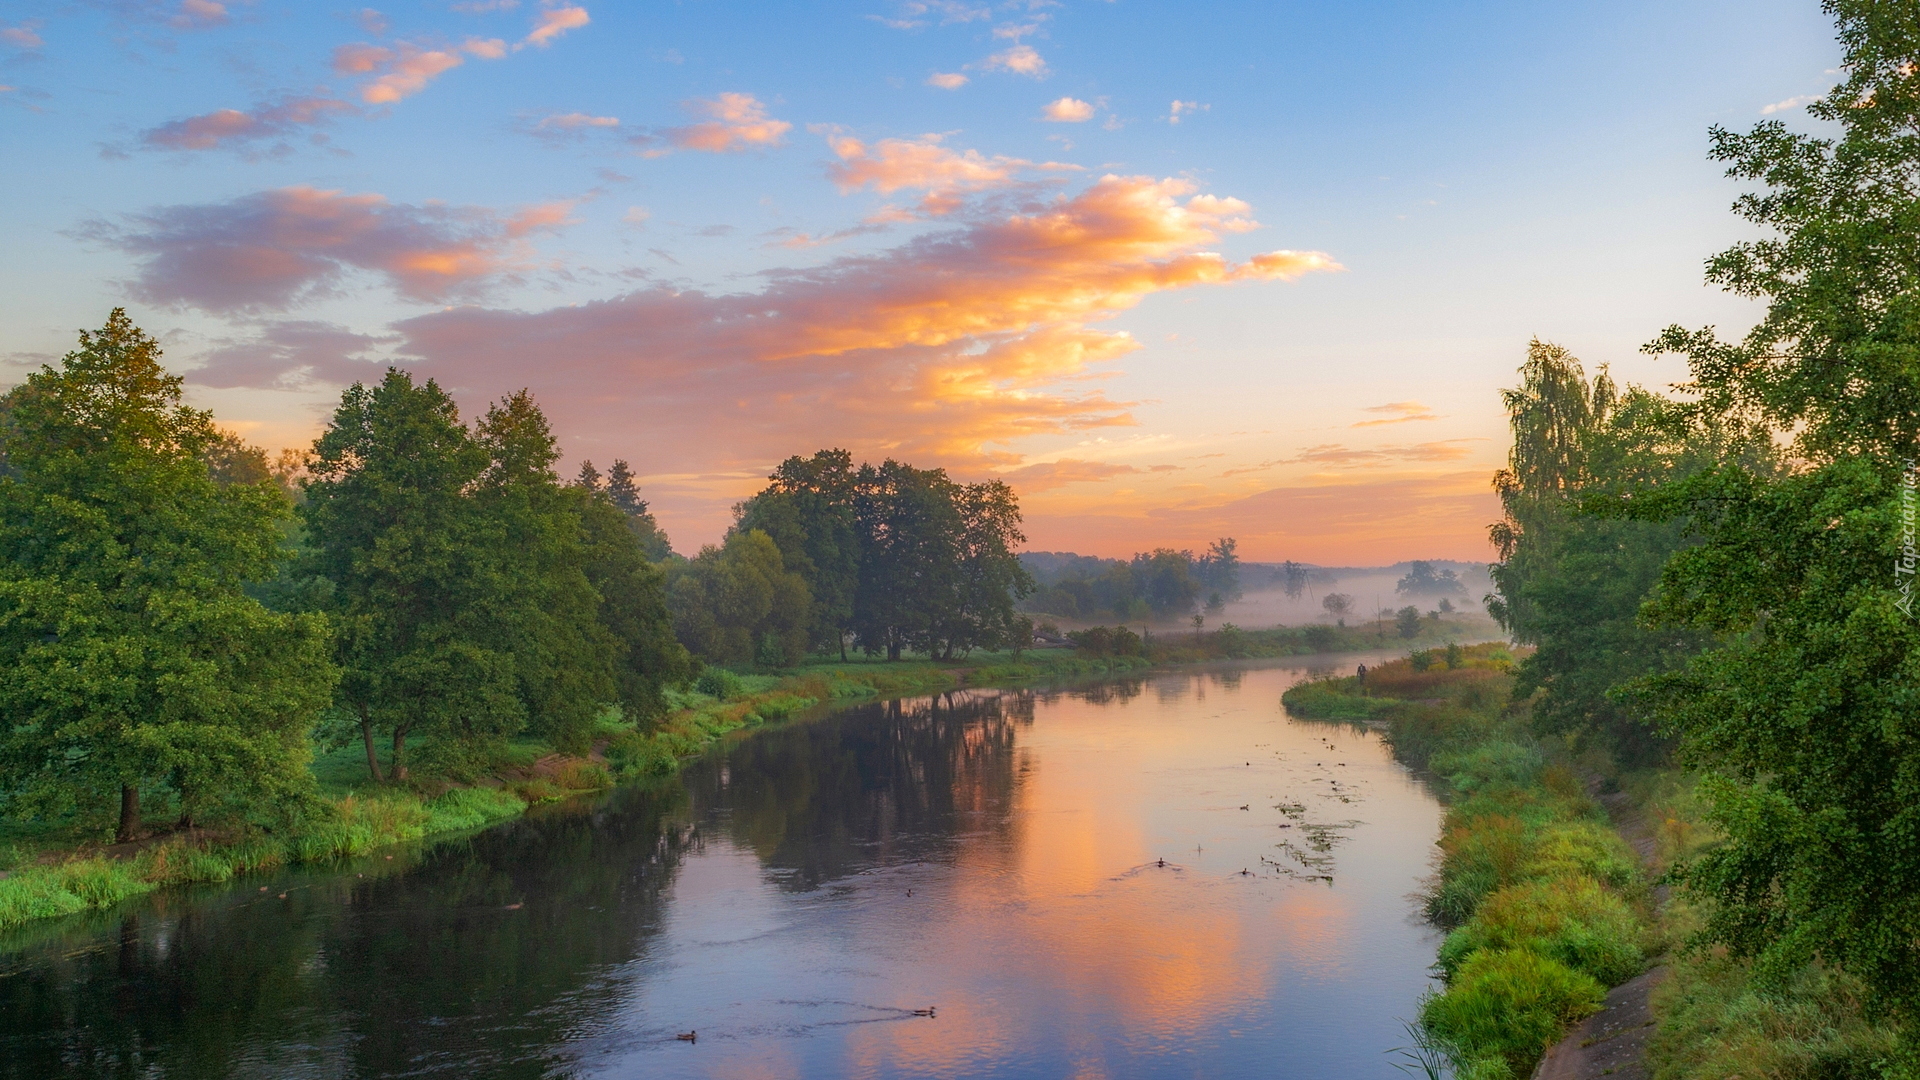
928	1011
688	1036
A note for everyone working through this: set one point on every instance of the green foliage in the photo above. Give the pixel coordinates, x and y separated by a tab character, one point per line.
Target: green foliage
1106	641
1718	1023
1158	584
1570	919
132	661
720	683
808	509
1507	1006
1407	621
730	600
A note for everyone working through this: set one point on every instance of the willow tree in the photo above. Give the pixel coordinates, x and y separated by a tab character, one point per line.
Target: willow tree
131	659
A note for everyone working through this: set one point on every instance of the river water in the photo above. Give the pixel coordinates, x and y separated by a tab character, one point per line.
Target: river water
798	894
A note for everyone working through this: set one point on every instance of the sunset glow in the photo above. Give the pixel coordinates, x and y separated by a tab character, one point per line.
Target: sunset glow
1205	298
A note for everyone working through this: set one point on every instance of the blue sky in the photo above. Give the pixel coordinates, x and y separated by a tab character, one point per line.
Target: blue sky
708	235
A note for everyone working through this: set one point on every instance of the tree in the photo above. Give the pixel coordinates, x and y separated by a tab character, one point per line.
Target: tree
413	566
739	604
633	608
1219	568
809	510
1293	578
1407	621
131	658
1337	604
1804	714
1423	580
537	603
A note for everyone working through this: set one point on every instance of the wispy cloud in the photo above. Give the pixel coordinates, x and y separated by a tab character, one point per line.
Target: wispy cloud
23	35
947	80
289	355
735	122
1185	108
274	250
553	22
1397	412
1046	476
1339	454
1021	60
1790	103
244	129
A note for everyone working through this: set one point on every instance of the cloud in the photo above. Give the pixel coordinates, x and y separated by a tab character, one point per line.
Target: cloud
484	48
1068	110
947	347
913	15
1790	103
236	128
1397	412
636	215
24	35
562	127
197	14
921	164
288	355
483	7
275	249
947	80
1053	474
553	22
1338	454
1015	31
1185	108
371	21
737	122
1021	60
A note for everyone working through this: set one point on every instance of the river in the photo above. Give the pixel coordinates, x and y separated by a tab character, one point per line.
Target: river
797	894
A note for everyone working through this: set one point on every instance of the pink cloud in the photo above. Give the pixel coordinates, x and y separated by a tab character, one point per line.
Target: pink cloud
1053	474
947	348
553	22
274	249
947	80
290	354
195	14
1068	110
24	35
737	122
921	164
406	72
1021	60
230	128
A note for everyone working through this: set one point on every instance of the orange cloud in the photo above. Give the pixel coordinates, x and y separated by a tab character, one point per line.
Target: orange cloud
947	80
1021	60
947	348
738	122
553	22
1053	474
1068	110
1398	412
407	72
921	164
273	250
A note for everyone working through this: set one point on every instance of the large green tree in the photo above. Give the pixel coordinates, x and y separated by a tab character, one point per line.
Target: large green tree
633	602
1806	715
808	509
739	604
392	525
131	659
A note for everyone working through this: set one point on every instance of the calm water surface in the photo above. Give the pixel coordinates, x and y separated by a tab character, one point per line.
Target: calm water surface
802	891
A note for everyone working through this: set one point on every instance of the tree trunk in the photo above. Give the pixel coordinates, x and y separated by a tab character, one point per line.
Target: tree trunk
366	737
129	813
399	748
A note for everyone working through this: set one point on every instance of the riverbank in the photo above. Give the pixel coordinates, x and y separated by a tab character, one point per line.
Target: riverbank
48	876
1545	905
1547	886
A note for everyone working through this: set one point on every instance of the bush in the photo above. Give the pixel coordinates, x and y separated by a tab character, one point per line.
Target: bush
1569	919
1506	1006
720	683
1480	855
1585	848
1495	764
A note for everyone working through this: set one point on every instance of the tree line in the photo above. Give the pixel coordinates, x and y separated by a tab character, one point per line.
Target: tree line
1722	577
183	621
1164	583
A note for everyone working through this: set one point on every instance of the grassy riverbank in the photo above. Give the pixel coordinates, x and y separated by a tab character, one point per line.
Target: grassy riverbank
1545	904
51	872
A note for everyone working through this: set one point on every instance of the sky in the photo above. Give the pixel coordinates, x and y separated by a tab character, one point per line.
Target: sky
1172	271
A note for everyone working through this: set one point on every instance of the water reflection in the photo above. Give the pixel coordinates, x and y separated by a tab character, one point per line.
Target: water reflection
1095	882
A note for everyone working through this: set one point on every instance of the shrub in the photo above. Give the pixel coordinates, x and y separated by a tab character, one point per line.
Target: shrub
1569	919
1508	1006
580	775
720	683
1585	848
1499	763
